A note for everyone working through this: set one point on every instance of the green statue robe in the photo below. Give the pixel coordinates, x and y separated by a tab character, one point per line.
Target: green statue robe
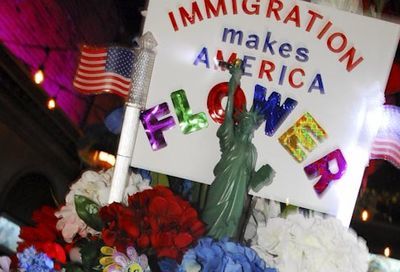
235	172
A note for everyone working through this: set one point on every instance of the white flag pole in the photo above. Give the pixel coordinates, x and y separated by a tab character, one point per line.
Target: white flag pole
140	81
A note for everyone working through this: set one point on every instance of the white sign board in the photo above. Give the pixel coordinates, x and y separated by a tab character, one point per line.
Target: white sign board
332	63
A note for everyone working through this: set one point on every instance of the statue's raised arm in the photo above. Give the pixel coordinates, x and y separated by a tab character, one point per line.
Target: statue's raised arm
226	131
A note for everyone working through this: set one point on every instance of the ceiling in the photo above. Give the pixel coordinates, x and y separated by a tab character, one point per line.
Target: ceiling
49	33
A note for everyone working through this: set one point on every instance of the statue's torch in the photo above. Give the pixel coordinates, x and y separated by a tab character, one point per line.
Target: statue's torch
140	81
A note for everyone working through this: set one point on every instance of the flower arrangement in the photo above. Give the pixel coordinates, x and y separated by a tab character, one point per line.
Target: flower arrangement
154	229
210	255
44	237
297	243
155	221
31	260
95	186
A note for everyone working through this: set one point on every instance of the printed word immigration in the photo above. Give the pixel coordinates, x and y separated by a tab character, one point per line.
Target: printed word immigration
281	11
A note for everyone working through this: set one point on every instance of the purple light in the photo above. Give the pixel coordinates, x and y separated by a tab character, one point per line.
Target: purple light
28	27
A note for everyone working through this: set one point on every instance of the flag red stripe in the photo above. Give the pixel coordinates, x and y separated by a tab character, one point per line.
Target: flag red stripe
385	150
386	147
92	63
98	75
90	70
388	157
93	50
101	89
93	54
106	85
101	80
93	58
387	141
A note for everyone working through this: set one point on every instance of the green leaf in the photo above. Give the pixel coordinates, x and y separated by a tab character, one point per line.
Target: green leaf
290	209
159	179
88	211
90	252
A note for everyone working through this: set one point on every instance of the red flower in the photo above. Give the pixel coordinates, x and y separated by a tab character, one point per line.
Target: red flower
155	220
121	226
169	224
44	236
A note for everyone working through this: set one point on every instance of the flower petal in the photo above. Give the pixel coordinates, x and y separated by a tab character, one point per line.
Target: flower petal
158	206
132	254
183	240
120	259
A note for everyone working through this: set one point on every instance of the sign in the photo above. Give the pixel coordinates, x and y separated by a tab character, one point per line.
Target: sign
319	74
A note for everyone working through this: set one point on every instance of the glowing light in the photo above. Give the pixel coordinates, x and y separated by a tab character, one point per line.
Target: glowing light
105	157
387	252
364	215
39	76
287	201
51	104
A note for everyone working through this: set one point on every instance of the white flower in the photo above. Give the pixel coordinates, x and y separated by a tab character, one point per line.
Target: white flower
5	263
297	244
354	6
263	210
96	186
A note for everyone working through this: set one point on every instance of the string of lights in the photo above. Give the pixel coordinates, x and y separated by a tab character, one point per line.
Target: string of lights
39	76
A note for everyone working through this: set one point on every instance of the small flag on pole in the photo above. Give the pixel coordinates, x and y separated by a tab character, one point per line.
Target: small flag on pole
104	70
386	145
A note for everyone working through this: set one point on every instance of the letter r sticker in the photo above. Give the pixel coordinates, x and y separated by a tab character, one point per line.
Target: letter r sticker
321	168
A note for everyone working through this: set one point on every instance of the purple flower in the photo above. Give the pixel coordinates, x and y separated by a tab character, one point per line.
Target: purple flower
31	260
210	255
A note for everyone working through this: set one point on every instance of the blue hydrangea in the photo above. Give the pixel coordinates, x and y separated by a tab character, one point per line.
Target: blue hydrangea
30	260
219	256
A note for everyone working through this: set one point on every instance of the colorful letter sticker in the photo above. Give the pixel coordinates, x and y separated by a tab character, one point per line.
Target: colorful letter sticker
298	137
321	168
272	110
188	121
215	107
154	127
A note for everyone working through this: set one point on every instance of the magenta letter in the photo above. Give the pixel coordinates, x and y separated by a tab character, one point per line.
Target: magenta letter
321	168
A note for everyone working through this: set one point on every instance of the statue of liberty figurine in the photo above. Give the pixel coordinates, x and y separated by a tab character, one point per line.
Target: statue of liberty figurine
235	172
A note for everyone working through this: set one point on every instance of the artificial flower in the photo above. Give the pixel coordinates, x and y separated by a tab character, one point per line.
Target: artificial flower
155	220
168	223
30	260
5	263
44	236
262	211
222	256
121	226
311	244
115	261
95	186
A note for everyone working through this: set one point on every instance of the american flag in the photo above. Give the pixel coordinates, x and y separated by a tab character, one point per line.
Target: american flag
103	70
386	145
